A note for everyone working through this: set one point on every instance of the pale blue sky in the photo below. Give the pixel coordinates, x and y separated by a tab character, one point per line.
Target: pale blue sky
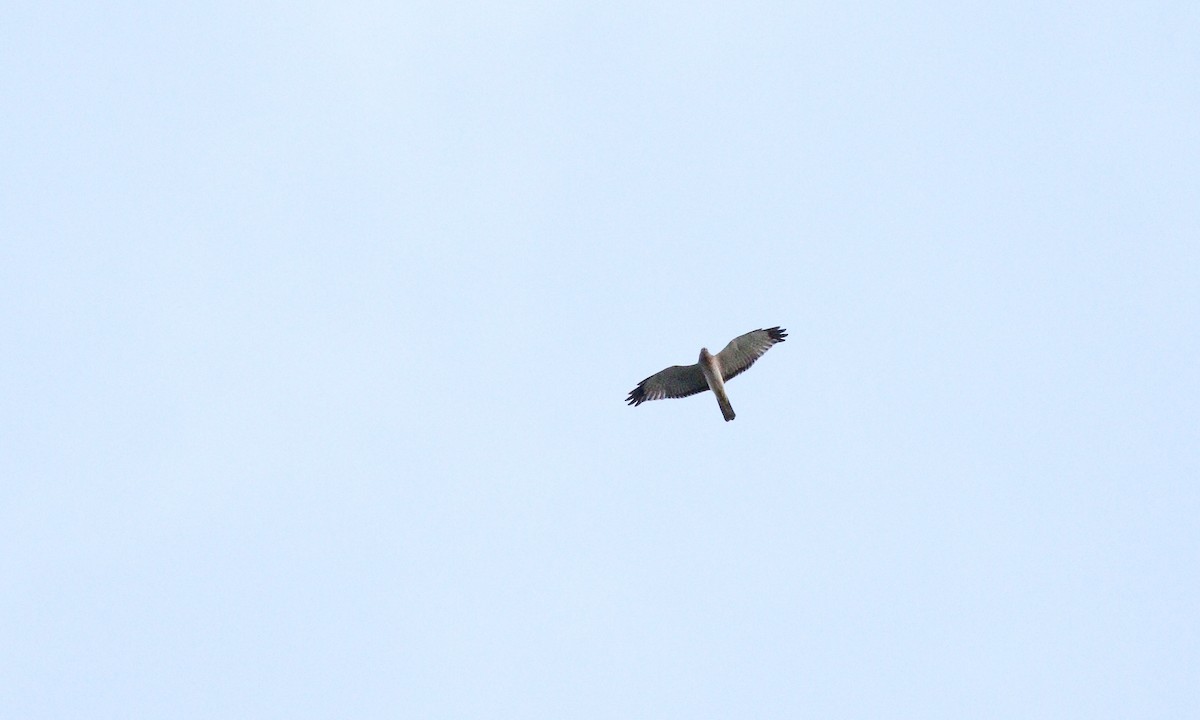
318	319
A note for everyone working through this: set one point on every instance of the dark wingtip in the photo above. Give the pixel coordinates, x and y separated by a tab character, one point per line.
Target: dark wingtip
637	396
777	333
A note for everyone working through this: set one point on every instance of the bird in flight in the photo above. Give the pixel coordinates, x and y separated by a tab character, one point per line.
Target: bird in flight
710	373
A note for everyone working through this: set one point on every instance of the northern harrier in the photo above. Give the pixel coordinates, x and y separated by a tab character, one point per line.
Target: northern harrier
711	373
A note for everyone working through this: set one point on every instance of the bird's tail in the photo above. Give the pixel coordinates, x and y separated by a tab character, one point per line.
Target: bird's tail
726	407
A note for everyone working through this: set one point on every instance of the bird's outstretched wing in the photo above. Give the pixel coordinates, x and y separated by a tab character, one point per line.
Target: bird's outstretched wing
743	350
675	382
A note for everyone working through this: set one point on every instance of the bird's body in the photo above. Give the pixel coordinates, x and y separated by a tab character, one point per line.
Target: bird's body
711	372
711	367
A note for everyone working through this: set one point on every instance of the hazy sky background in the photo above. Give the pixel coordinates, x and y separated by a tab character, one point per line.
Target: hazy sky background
318	319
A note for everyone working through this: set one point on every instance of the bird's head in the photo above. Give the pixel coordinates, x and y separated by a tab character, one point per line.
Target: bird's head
704	354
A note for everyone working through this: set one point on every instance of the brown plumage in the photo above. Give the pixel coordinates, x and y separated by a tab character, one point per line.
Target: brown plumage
711	372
